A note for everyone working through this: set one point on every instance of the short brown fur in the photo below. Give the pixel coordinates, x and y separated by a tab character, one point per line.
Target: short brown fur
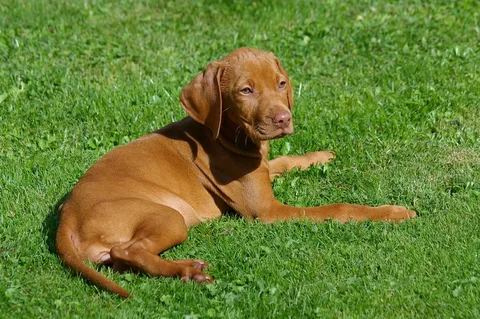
139	199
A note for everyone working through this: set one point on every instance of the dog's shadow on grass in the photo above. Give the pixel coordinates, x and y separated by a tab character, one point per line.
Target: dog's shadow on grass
50	224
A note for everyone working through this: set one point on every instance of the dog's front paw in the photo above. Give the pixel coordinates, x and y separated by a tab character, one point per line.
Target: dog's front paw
394	213
322	157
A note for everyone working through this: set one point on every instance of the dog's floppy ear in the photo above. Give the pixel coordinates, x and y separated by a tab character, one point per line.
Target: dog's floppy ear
289	84
202	98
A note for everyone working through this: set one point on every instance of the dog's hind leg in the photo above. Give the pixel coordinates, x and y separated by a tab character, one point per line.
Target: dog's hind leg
160	228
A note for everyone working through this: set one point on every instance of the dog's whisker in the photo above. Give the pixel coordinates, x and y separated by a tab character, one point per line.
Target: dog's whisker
257	127
237	134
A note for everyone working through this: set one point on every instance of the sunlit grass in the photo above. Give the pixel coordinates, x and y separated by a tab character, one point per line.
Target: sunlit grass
393	88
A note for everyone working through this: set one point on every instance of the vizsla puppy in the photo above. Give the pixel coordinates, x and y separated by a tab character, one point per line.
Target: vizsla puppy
140	199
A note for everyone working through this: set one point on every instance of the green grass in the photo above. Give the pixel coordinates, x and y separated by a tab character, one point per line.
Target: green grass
393	88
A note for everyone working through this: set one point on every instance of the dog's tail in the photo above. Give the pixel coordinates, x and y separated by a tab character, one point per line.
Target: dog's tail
68	253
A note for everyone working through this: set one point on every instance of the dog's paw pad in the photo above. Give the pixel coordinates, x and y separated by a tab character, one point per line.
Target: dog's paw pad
200	264
202	278
196	275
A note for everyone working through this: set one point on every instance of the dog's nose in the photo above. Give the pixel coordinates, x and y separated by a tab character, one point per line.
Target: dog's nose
282	119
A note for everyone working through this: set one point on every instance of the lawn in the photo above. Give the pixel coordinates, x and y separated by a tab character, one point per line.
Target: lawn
393	88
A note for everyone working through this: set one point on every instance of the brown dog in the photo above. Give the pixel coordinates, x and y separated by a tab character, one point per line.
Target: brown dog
140	199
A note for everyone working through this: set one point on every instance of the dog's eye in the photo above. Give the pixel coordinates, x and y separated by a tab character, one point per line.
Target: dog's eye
246	91
282	84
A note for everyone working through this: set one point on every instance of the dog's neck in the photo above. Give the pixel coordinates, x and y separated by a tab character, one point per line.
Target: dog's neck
234	138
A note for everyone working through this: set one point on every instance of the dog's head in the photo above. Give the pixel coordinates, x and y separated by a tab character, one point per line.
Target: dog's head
248	86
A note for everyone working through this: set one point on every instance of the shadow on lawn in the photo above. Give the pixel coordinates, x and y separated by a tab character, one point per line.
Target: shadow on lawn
50	224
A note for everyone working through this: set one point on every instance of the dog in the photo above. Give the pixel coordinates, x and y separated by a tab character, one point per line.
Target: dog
140	198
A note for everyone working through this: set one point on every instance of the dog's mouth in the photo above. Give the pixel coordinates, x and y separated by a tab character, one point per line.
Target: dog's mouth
264	132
